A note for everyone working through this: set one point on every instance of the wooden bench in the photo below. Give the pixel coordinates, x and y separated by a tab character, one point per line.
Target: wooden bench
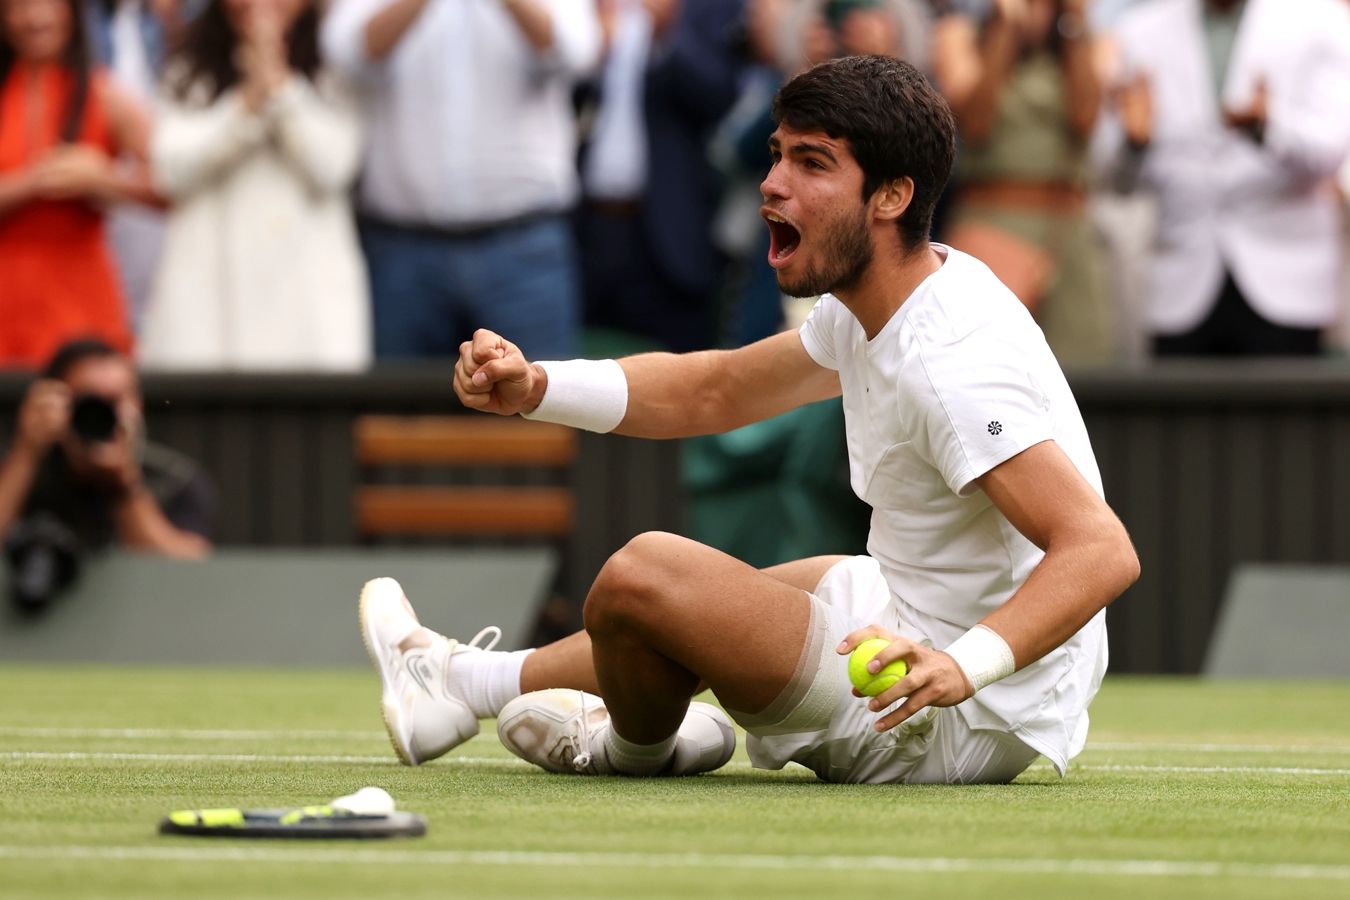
473	448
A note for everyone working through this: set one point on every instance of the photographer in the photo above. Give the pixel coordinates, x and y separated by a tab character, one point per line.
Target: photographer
80	475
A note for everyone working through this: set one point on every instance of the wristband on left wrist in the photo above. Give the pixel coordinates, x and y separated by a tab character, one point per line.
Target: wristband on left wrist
983	656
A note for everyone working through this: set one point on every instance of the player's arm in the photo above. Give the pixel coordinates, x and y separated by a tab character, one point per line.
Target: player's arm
1088	562
142	525
653	395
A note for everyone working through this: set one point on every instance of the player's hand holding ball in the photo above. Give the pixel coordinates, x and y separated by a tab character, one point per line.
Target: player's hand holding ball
492	375
865	681
887	668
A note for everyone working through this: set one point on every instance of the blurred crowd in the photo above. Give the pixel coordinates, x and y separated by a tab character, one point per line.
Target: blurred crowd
230	185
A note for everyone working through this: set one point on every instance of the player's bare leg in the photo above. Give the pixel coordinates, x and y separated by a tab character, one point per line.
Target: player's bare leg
436	688
803	574
666	617
568	663
666	613
565	663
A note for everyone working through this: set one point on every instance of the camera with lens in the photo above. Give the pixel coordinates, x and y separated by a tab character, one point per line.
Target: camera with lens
44	557
92	418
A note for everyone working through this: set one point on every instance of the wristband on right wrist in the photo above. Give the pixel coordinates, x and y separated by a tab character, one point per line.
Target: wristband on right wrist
583	393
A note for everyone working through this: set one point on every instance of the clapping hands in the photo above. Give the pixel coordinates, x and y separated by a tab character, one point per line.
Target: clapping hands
262	55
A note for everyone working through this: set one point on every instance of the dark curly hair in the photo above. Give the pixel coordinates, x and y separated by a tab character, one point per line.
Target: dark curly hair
76	58
895	123
208	49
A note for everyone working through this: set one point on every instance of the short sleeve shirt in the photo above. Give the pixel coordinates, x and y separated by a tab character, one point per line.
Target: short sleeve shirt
958	381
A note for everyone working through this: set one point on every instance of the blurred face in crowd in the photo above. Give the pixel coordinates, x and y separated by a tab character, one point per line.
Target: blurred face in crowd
111	377
819	235
37	30
1040	22
241	14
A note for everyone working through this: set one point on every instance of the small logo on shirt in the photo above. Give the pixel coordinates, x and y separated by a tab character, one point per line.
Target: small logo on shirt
995	428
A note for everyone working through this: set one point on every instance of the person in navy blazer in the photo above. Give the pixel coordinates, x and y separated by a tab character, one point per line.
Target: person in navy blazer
651	265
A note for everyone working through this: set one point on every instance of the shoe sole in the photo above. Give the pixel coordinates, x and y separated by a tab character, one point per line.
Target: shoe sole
510	712
388	710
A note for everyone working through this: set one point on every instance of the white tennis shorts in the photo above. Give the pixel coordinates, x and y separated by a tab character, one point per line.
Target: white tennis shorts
817	722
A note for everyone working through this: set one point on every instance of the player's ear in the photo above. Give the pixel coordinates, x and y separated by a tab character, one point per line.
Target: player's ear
893	198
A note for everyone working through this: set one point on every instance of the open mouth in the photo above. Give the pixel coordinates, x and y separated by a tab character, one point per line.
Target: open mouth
784	238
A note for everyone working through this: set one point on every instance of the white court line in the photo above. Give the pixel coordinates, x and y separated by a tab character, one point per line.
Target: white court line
194	734
193	757
975	865
1210	770
78	756
333	734
1141	746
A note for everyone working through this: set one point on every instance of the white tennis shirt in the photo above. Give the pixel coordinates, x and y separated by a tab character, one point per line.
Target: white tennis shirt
959	380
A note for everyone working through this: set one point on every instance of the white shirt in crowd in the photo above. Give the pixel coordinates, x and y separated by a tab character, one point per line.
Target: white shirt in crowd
1265	212
135	232
469	124
616	164
261	267
130	63
959	380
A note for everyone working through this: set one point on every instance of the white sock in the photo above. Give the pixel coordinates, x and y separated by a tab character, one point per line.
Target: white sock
638	759
488	679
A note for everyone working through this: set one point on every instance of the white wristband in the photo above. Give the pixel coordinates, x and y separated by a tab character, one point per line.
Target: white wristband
591	394
983	656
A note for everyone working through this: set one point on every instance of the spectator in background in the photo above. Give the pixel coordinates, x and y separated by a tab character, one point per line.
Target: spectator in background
132	39
1026	95
648	258
1235	115
258	145
80	475
470	171
814	31
62	125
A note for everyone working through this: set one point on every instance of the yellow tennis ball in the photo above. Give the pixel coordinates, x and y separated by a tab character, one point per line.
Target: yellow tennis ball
870	685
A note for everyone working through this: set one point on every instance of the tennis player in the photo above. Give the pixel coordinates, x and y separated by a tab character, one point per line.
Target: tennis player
992	553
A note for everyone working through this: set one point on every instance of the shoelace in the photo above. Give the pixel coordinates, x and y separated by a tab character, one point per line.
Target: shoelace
496	636
453	646
581	761
449	647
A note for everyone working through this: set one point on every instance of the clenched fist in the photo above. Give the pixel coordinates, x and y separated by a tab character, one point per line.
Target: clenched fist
492	375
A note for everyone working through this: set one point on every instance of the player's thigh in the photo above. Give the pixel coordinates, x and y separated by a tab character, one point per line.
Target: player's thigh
804	574
738	629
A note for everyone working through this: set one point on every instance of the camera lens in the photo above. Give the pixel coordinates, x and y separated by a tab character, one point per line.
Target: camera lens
93	418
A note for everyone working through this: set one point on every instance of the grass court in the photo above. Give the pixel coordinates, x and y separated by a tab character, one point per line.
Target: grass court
1188	788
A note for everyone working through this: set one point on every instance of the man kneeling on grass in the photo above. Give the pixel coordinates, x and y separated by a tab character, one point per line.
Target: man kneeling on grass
992	553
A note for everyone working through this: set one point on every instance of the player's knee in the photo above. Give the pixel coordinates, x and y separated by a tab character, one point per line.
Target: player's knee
632	584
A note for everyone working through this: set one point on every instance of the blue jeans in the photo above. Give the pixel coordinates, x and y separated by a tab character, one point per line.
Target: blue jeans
430	290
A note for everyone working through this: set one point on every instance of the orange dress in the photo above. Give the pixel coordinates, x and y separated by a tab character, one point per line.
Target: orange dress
58	280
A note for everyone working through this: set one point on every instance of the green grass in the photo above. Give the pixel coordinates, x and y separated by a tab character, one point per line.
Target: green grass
1188	789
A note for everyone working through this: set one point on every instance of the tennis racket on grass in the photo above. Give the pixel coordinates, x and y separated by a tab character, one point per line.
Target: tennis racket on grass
369	813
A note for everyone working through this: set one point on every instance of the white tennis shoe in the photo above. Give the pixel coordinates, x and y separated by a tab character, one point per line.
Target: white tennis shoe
424	711
564	731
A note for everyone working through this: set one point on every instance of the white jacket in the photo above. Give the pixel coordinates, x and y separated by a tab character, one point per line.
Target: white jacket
1264	212
261	267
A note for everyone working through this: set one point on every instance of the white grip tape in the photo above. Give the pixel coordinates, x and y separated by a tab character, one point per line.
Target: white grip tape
591	394
983	656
